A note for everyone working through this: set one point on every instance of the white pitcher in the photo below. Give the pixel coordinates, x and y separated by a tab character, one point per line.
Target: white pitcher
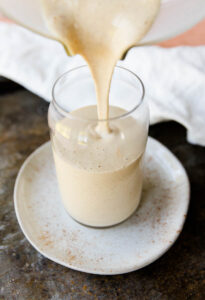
175	17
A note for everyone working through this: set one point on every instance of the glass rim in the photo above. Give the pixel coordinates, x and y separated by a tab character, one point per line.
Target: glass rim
68	114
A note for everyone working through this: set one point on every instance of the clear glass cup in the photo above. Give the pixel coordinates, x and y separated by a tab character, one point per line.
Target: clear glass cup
99	176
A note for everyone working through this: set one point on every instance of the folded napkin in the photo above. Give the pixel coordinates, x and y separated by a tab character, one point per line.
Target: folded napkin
174	78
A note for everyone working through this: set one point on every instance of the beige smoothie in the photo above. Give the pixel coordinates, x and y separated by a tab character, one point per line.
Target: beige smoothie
100	178
100	181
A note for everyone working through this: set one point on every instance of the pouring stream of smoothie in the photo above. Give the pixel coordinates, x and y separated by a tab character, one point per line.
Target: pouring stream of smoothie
101	31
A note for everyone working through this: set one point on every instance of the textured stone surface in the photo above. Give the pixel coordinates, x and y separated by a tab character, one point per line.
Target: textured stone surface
25	274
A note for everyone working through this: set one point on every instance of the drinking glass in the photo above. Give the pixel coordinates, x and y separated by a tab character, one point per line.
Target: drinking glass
99	176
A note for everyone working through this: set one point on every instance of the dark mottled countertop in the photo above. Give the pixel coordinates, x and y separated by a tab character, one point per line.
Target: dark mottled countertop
25	274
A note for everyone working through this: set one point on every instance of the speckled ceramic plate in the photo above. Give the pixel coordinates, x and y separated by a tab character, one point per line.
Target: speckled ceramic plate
137	242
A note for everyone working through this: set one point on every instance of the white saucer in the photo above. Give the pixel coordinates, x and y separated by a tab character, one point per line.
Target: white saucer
137	242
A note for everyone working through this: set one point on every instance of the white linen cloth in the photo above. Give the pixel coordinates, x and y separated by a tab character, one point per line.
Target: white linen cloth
174	78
